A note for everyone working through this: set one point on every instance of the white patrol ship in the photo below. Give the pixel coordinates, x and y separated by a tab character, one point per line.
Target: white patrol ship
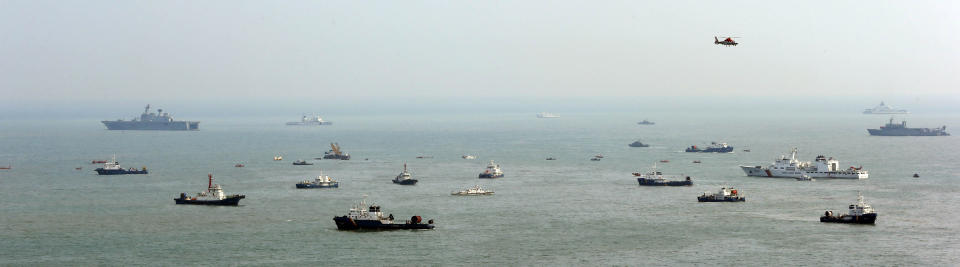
790	167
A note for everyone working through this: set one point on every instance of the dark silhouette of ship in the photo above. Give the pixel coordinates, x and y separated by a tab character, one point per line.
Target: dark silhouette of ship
900	129
159	121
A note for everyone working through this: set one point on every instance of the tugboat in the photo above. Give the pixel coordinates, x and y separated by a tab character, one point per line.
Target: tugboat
335	153
301	162
657	178
713	148
362	217
638	144
113	168
310	120
213	196
646	122
322	181
859	213
493	171
475	191
725	195
822	167
404	177
900	129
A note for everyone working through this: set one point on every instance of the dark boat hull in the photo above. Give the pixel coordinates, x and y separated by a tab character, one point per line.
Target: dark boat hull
652	182
725	199
711	150
908	132
331	156
405	182
870	218
345	223
230	201
101	171
489	176
309	186
302	164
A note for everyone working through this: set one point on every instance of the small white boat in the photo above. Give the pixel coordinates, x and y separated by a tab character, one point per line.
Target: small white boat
468	157
805	178
545	115
475	191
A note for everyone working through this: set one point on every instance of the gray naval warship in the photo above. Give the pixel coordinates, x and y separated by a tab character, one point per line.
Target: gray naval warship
153	121
900	129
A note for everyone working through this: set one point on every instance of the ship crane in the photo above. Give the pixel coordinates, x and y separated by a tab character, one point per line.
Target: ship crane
336	148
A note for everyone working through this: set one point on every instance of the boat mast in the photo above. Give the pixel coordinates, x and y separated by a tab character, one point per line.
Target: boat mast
209	181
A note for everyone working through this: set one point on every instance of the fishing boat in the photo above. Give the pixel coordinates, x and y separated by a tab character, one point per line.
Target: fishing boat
493	171
858	213
301	162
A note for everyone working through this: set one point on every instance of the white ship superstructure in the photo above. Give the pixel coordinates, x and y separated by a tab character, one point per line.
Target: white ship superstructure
822	167
884	109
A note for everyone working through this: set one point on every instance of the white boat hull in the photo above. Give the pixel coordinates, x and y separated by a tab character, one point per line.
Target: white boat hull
777	173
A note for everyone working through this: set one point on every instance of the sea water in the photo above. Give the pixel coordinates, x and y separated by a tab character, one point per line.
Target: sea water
570	211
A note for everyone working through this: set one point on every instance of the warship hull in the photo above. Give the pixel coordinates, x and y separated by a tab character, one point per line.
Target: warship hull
908	132
152	126
345	223
230	201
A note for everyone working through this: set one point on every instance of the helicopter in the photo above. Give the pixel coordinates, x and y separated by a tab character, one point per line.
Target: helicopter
727	42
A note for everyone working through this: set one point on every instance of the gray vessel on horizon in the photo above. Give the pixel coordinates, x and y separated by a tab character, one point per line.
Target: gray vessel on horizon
900	129
159	121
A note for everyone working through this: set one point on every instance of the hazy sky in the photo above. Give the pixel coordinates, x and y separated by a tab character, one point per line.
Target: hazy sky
166	51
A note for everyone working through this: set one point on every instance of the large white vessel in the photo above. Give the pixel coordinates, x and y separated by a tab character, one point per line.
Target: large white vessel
884	109
310	120
822	167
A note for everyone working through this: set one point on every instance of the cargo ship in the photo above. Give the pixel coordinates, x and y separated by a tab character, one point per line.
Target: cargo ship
335	153
159	121
657	178
713	148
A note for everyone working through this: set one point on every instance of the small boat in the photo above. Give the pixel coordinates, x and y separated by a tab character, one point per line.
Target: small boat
363	217
335	153
493	171
638	144
696	161
424	157
664	161
859	213
657	178
404	178
595	159
277	158
113	168
5	168
805	178
322	181
724	195
599	156
301	162
474	191
746	150
544	115
468	157
646	122
98	161
551	158
916	175
238	165
213	196
78	168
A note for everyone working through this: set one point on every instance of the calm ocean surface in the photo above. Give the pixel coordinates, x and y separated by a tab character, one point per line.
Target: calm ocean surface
571	211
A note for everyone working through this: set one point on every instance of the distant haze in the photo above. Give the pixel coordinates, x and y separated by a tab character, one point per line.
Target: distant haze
320	56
